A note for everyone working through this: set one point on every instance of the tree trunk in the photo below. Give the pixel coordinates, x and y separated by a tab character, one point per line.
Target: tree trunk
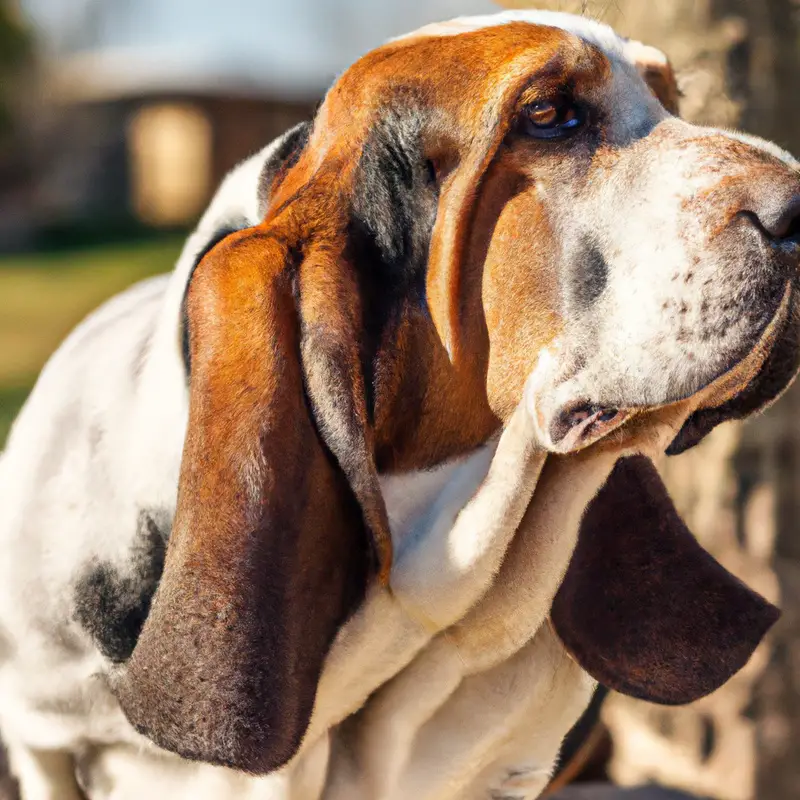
738	63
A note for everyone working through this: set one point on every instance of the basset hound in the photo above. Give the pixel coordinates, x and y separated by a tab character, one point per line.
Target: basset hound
358	502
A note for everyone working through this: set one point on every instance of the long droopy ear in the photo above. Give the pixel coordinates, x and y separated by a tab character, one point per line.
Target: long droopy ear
277	504
448	241
450	234
646	610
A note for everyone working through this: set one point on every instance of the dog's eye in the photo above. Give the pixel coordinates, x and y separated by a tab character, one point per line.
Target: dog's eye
552	119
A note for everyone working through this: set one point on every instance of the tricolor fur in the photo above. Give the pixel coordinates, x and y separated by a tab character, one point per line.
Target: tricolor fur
293	510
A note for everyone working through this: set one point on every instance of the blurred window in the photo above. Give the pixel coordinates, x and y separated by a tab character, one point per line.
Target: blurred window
170	157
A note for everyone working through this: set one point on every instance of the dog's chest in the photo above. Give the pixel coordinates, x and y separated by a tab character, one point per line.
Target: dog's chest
414	498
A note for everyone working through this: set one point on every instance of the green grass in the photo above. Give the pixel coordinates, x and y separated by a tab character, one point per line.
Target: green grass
43	296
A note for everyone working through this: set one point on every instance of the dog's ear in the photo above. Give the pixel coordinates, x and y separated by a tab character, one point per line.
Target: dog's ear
449	238
278	502
657	72
643	608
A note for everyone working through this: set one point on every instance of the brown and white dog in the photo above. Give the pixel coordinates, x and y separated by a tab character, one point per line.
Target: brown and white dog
492	225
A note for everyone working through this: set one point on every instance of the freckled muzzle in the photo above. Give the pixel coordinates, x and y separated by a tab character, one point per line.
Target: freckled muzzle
698	233
769	383
752	383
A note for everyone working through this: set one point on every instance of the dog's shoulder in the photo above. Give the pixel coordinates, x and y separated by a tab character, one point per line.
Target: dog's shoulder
90	470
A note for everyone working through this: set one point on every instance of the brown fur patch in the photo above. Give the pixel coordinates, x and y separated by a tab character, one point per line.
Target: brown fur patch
268	554
431	398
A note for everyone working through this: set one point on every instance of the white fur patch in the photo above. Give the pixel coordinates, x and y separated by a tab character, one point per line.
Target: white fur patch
591	31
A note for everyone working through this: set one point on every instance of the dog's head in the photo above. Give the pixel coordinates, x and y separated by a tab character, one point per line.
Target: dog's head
467	198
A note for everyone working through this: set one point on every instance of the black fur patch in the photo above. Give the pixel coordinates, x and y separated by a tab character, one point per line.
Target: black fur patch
111	605
283	159
580	733
589	276
396	195
393	213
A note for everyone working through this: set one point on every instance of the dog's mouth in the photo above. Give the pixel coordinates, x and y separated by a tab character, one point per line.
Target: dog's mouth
750	385
756	383
580	423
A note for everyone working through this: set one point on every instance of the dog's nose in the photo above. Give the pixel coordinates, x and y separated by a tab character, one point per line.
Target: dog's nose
777	214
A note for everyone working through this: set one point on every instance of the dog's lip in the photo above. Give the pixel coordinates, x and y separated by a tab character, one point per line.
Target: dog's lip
575	424
735	380
579	423
777	370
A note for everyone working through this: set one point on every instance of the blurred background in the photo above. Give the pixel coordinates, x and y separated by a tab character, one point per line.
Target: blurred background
118	118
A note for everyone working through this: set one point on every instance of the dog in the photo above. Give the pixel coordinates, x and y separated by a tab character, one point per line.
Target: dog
359	501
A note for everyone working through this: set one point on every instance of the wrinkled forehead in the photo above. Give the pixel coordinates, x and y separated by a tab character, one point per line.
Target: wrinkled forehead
618	87
601	36
471	81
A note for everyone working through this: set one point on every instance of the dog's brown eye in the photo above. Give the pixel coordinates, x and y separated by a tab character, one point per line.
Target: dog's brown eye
543	114
551	119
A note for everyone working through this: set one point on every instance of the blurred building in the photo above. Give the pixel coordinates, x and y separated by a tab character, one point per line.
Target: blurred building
145	104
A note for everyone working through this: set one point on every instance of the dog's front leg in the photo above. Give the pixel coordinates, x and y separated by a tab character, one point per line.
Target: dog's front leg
539	694
44	774
456	552
496	735
464	691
